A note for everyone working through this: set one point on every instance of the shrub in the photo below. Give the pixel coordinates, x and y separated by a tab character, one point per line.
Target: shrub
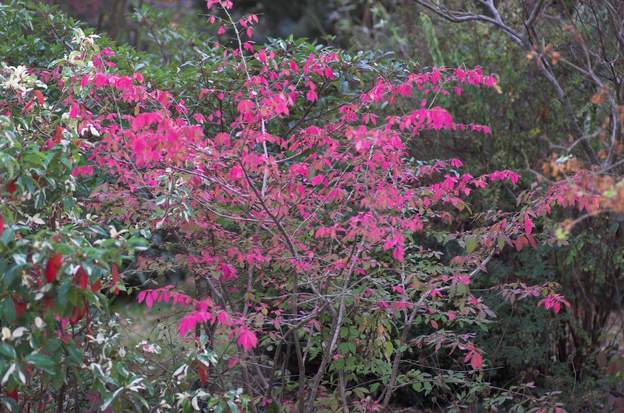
329	268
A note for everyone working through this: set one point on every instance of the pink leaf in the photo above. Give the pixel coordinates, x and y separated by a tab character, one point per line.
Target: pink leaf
245	106
224	319
528	224
476	360
246	339
191	320
149	301
74	110
228	272
317	180
398	289
232	362
86	170
236	173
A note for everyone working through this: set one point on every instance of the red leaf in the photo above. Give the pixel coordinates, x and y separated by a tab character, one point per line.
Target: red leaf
58	134
81	279
39	96
54	264
203	376
78	313
521	242
11	187
48	302
28	106
13	394
115	279
96	286
1	224
20	307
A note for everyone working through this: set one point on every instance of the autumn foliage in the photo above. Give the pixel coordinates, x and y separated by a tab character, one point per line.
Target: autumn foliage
323	253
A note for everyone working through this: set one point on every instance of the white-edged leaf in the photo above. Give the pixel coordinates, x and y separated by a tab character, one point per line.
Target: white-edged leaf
111	399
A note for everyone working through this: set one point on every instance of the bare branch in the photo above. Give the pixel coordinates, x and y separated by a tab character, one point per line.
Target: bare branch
461	17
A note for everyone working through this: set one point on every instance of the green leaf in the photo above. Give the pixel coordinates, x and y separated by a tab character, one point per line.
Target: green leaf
208	359
471	244
20	259
75	355
42	362
8	351
111	399
233	407
62	294
388	349
8	310
7	236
